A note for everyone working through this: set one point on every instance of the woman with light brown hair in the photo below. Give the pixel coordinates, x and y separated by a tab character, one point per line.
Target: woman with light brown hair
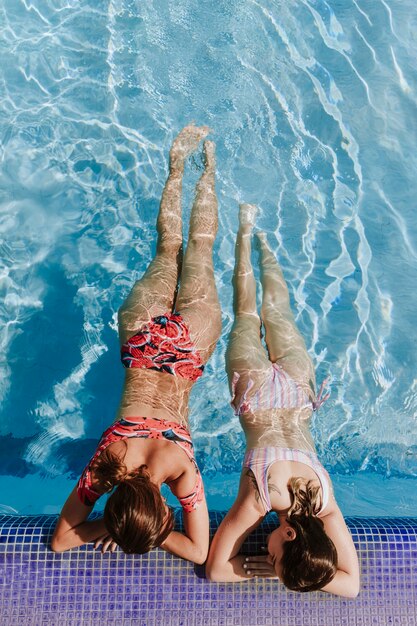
273	393
168	328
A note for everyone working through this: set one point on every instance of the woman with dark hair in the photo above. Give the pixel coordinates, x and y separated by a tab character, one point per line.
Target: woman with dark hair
168	328
274	396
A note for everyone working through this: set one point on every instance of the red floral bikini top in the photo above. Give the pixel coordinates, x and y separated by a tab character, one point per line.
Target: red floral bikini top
145	428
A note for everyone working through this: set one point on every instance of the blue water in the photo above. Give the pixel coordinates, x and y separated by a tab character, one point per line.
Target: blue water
313	109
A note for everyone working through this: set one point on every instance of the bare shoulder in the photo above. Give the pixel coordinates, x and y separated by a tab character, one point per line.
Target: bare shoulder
332	515
182	473
183	481
247	510
331	506
249	492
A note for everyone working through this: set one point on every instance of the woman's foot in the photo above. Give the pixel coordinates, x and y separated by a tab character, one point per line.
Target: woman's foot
247	216
186	143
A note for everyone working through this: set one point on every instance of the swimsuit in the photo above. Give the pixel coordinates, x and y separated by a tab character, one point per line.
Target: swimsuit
164	345
145	428
259	461
278	391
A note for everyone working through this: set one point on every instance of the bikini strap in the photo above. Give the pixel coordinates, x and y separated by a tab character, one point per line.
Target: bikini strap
320	399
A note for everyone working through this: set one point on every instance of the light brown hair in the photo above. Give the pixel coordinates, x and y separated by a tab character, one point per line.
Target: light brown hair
309	561
135	514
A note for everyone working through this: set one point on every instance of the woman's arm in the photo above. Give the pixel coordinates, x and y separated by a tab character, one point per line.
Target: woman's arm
224	563
347	579
193	544
72	529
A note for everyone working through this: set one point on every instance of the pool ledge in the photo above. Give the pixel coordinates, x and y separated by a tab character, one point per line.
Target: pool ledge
83	587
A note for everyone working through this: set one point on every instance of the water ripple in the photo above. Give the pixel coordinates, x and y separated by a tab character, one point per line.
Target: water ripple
312	106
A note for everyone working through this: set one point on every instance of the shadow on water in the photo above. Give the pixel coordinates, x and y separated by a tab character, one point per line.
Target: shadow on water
50	342
50	349
104	382
74	455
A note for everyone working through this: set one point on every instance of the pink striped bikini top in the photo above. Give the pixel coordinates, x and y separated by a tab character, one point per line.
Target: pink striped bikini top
259	461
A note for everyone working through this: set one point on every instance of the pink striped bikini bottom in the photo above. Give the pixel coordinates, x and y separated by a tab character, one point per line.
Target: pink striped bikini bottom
278	391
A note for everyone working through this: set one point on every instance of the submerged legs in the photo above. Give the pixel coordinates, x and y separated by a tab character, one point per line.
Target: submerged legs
245	354
197	299
282	336
154	293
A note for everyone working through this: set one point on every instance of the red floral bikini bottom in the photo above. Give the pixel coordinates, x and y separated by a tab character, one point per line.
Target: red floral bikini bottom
164	344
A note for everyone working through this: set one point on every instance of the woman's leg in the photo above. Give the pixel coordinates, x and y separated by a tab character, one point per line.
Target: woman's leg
283	339
245	353
197	299
154	293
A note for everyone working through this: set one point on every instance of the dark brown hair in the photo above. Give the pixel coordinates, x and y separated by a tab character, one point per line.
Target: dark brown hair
309	561
135	514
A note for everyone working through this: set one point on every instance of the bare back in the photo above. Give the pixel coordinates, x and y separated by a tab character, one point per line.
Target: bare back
148	393
287	428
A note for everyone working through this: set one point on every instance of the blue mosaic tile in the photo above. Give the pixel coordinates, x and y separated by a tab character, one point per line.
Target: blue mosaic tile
84	588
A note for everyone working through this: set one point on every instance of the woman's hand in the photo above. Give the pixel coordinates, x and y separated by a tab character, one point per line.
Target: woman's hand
108	545
259	566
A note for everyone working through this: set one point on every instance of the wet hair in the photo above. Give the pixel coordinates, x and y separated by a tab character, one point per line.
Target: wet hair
309	561
135	514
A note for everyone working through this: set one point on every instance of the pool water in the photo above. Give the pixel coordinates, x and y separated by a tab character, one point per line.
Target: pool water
313	108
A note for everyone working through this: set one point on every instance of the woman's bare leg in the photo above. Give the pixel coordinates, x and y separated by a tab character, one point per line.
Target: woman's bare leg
283	339
245	353
154	293
197	299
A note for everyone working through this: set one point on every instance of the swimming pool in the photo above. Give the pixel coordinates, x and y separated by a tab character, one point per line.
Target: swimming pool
312	108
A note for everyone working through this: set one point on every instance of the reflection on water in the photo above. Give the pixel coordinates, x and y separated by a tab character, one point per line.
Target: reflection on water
312	106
